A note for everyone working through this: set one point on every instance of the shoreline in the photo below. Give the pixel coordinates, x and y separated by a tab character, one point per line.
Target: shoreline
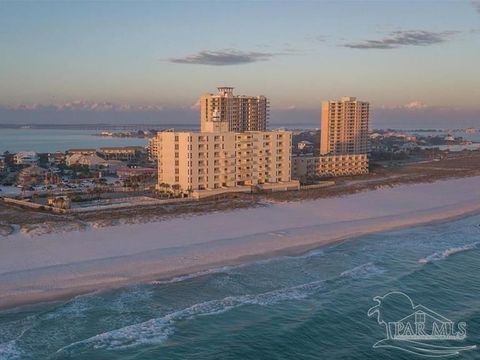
58	275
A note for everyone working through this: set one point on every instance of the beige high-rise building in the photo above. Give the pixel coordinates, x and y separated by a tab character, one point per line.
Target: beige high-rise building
344	127
201	164
240	112
344	142
152	148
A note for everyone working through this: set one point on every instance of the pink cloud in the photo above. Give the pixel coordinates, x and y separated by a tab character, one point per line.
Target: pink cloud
412	105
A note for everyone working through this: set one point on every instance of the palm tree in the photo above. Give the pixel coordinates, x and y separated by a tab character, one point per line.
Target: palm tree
176	188
163	187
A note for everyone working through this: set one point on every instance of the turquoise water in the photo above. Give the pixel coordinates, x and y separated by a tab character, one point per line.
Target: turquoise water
312	306
51	140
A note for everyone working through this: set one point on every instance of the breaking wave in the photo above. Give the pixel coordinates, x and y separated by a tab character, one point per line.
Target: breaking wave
442	255
157	330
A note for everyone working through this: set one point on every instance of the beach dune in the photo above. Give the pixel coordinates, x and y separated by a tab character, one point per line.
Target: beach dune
52	266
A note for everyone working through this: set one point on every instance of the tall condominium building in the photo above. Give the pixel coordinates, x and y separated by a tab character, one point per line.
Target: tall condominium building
344	144
344	127
201	164
152	148
240	112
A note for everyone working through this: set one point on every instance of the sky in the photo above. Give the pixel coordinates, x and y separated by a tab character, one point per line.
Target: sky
416	62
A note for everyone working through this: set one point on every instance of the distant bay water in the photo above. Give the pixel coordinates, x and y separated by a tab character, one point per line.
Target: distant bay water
43	138
51	140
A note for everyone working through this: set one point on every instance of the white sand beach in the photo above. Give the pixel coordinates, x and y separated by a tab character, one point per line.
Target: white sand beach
51	266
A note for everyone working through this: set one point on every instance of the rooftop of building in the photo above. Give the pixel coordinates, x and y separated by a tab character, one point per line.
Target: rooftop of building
25	154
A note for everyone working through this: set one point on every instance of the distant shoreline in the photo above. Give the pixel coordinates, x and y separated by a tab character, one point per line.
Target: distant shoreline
56	266
193	126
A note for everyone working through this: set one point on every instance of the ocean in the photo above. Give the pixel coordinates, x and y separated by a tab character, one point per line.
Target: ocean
310	306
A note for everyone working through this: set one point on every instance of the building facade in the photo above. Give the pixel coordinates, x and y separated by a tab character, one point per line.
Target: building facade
240	112
344	127
25	158
208	163
344	140
310	167
3	166
82	151
343	165
152	149
121	152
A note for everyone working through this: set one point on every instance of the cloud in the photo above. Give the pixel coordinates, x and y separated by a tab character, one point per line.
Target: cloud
83	105
412	105
223	57
415	105
397	39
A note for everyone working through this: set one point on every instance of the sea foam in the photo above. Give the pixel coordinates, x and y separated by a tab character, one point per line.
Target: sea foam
442	255
157	330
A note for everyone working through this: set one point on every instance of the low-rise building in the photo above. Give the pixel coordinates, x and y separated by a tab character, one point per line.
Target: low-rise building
139	173
31	175
56	157
82	151
26	158
343	165
121	152
309	167
91	160
305	145
208	163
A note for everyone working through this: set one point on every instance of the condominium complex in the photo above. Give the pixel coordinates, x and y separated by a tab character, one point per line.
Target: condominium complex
239	112
234	152
344	127
343	165
208	163
344	143
306	167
